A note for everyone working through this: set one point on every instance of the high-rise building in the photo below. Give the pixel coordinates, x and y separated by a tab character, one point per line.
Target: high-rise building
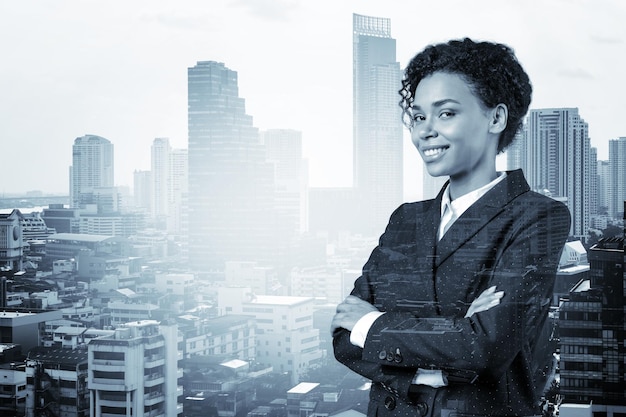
617	178
160	167
604	178
284	151
135	371
92	167
377	130
230	184
554	155
593	181
169	185
591	327
142	190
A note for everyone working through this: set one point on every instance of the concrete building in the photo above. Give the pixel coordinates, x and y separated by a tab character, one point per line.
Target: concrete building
231	335
286	338
136	371
25	327
66	246
12	381
377	130
262	280
331	285
57	382
11	241
61	219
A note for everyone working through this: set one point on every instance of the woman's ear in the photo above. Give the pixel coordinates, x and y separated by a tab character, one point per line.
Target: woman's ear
499	118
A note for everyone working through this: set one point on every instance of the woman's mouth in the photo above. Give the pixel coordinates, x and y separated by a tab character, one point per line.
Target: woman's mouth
433	152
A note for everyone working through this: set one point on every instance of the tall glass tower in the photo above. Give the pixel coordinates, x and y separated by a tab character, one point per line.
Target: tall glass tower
92	167
377	130
555	156
230	184
617	184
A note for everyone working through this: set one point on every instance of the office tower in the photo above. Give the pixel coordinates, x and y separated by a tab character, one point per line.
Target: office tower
92	167
284	151
169	185
178	192
377	130
617	178
555	160
230	184
135	371
591	328
142	190
604	178
160	167
593	181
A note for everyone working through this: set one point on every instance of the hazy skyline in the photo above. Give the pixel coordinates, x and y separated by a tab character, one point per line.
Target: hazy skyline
119	71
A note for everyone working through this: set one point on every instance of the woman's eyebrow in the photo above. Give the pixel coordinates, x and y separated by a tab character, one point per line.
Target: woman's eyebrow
437	103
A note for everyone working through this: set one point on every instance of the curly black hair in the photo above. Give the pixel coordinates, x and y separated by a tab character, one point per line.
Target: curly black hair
491	69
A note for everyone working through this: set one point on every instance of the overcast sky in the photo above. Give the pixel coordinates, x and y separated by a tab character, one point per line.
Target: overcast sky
118	69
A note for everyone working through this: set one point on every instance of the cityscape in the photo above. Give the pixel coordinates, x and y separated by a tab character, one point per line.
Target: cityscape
207	288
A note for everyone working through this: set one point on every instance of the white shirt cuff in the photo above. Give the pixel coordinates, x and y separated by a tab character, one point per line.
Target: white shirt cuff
362	327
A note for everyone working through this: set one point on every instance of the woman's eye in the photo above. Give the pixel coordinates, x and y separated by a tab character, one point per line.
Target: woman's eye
418	117
446	114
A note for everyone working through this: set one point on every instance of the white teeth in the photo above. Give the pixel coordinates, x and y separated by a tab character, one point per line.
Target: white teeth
433	152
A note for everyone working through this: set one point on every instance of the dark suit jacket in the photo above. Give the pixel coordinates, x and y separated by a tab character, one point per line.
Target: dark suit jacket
511	238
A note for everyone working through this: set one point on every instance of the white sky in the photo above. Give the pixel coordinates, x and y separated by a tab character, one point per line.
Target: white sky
118	69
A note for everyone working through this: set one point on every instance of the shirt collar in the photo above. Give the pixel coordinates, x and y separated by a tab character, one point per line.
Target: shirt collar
462	203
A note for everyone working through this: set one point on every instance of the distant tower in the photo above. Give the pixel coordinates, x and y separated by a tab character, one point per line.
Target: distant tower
604	178
617	184
377	131
556	158
92	167
284	151
230	184
160	167
593	181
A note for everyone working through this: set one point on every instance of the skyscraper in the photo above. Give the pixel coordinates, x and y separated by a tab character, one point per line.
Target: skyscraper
230	184
377	130
169	185
92	167
284	151
604	178
554	155
591	327
617	179
160	167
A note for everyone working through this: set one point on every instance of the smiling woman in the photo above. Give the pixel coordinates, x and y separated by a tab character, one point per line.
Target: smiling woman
451	304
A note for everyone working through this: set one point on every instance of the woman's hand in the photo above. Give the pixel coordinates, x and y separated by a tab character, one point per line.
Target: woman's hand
349	312
488	299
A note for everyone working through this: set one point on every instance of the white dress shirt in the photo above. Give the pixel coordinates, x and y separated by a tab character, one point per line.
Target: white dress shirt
450	211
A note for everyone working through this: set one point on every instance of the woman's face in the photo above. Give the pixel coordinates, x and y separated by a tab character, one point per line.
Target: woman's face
452	129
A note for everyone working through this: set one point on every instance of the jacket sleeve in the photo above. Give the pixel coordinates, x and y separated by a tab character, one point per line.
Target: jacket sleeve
524	267
345	352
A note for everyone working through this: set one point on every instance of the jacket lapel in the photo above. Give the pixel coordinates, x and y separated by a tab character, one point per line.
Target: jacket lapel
480	214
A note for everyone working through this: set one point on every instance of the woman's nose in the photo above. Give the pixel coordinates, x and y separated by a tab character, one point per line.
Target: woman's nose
424	131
